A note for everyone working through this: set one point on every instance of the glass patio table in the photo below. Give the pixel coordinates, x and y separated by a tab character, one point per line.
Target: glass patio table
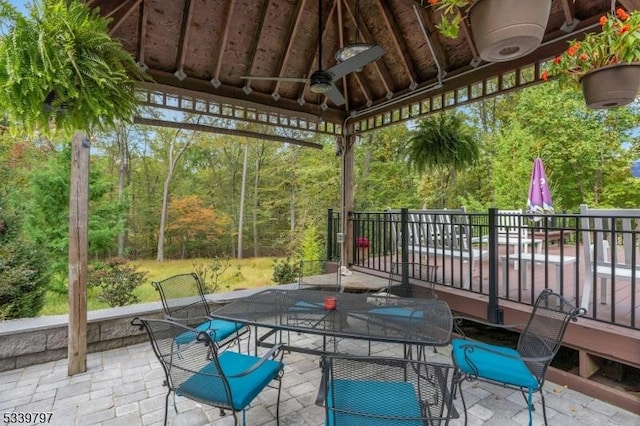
408	321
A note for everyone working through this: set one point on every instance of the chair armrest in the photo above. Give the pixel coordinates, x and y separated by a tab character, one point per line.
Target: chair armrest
183	319
273	353
457	320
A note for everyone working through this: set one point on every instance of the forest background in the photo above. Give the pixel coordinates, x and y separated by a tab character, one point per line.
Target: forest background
231	197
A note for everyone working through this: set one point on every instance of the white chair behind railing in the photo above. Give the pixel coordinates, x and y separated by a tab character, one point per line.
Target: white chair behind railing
511	231
606	257
441	232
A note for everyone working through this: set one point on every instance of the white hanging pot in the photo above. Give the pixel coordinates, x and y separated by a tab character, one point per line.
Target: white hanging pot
508	29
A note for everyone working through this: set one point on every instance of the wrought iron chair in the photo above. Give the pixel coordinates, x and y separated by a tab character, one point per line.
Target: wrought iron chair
183	300
385	391
420	280
524	367
195	369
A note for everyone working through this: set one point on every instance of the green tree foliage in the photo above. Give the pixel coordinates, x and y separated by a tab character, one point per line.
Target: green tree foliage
384	178
116	279
46	217
23	270
311	245
586	153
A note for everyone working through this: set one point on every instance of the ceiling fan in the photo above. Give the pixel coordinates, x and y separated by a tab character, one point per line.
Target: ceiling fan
322	81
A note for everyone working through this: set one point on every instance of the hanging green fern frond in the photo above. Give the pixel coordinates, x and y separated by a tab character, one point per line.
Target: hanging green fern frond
442	142
61	52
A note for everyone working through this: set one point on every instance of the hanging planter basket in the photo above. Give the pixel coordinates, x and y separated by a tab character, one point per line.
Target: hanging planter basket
508	29
611	86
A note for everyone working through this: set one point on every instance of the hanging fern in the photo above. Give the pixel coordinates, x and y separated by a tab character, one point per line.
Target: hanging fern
443	142
61	53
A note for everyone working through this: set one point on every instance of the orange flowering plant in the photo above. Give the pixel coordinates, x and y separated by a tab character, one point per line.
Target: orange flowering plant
618	42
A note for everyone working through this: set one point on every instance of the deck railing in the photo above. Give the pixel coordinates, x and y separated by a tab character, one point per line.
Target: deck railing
508	256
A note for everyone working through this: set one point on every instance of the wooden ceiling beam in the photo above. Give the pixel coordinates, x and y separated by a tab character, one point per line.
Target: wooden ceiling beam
293	30
432	33
142	34
235	95
568	10
257	38
630	4
383	73
120	13
218	53
223	131
183	43
363	88
398	39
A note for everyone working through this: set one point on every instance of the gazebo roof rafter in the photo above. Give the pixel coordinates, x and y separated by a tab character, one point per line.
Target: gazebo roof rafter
205	47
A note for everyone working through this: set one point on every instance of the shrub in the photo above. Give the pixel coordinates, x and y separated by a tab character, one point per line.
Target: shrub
116	279
24	272
210	275
285	271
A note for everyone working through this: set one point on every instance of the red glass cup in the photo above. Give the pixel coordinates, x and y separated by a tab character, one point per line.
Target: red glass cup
330	303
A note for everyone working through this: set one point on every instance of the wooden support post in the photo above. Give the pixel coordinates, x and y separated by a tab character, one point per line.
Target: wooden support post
588	364
78	247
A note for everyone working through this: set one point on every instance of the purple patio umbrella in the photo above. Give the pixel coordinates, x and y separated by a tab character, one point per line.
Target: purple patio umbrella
539	197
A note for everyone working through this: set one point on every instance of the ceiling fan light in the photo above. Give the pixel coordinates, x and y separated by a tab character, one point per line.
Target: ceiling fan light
320	82
351	50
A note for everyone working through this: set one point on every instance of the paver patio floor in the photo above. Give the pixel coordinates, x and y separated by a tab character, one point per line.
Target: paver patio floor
124	387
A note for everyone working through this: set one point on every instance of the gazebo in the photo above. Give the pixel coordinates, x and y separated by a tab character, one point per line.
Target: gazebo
256	61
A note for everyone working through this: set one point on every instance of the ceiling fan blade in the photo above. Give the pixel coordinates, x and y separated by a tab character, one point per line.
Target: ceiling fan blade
352	64
290	79
335	96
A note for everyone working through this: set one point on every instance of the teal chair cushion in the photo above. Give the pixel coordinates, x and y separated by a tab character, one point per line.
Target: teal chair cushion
306	306
509	369
395	402
219	330
208	386
398	314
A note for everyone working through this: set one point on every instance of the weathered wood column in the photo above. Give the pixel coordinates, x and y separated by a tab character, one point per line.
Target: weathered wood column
78	247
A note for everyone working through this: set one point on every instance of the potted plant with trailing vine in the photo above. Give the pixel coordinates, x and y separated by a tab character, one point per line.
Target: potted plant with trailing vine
605	64
502	29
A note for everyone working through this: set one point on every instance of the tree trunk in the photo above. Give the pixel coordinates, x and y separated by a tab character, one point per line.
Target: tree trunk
78	248
173	160
256	204
243	191
123	172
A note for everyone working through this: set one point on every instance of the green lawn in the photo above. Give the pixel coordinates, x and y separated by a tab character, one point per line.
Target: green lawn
254	272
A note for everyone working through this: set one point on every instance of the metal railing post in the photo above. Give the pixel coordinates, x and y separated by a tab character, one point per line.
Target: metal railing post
494	313
330	235
404	224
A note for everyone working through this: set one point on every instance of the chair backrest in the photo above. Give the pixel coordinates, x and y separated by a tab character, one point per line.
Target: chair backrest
183	297
611	246
610	230
509	224
543	334
377	390
421	279
189	359
435	229
320	275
